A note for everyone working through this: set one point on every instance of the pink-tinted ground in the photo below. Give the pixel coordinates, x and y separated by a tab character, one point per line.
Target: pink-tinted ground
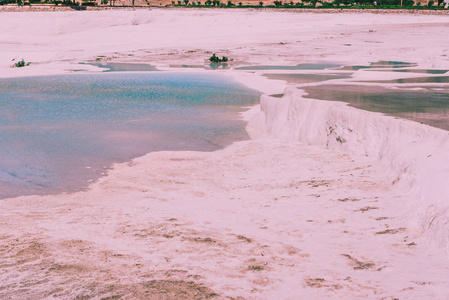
293	213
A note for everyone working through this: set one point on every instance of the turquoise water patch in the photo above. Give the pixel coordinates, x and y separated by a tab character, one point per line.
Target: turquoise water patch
57	133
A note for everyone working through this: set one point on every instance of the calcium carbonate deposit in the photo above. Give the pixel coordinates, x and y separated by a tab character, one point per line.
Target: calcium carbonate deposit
325	201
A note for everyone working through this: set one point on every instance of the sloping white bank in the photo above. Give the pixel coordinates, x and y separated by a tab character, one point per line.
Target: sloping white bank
413	156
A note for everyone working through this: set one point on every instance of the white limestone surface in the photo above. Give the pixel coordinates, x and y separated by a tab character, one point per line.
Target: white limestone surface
325	202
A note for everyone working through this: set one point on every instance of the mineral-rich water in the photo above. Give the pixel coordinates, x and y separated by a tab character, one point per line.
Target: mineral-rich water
428	105
58	133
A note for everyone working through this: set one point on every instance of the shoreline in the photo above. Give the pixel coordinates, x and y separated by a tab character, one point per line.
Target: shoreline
293	211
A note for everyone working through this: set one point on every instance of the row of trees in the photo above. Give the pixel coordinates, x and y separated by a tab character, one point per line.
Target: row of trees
277	3
211	3
314	3
55	2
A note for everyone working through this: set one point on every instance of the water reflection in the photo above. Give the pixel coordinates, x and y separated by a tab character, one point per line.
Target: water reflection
215	66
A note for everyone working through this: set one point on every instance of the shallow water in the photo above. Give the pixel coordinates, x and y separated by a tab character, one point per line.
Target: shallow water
297	67
421	71
430	79
428	106
306	78
125	67
381	65
57	133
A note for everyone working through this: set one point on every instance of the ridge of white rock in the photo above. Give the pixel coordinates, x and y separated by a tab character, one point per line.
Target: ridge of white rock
411	154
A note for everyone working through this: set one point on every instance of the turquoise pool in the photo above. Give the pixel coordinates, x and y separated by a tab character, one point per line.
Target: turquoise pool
59	133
